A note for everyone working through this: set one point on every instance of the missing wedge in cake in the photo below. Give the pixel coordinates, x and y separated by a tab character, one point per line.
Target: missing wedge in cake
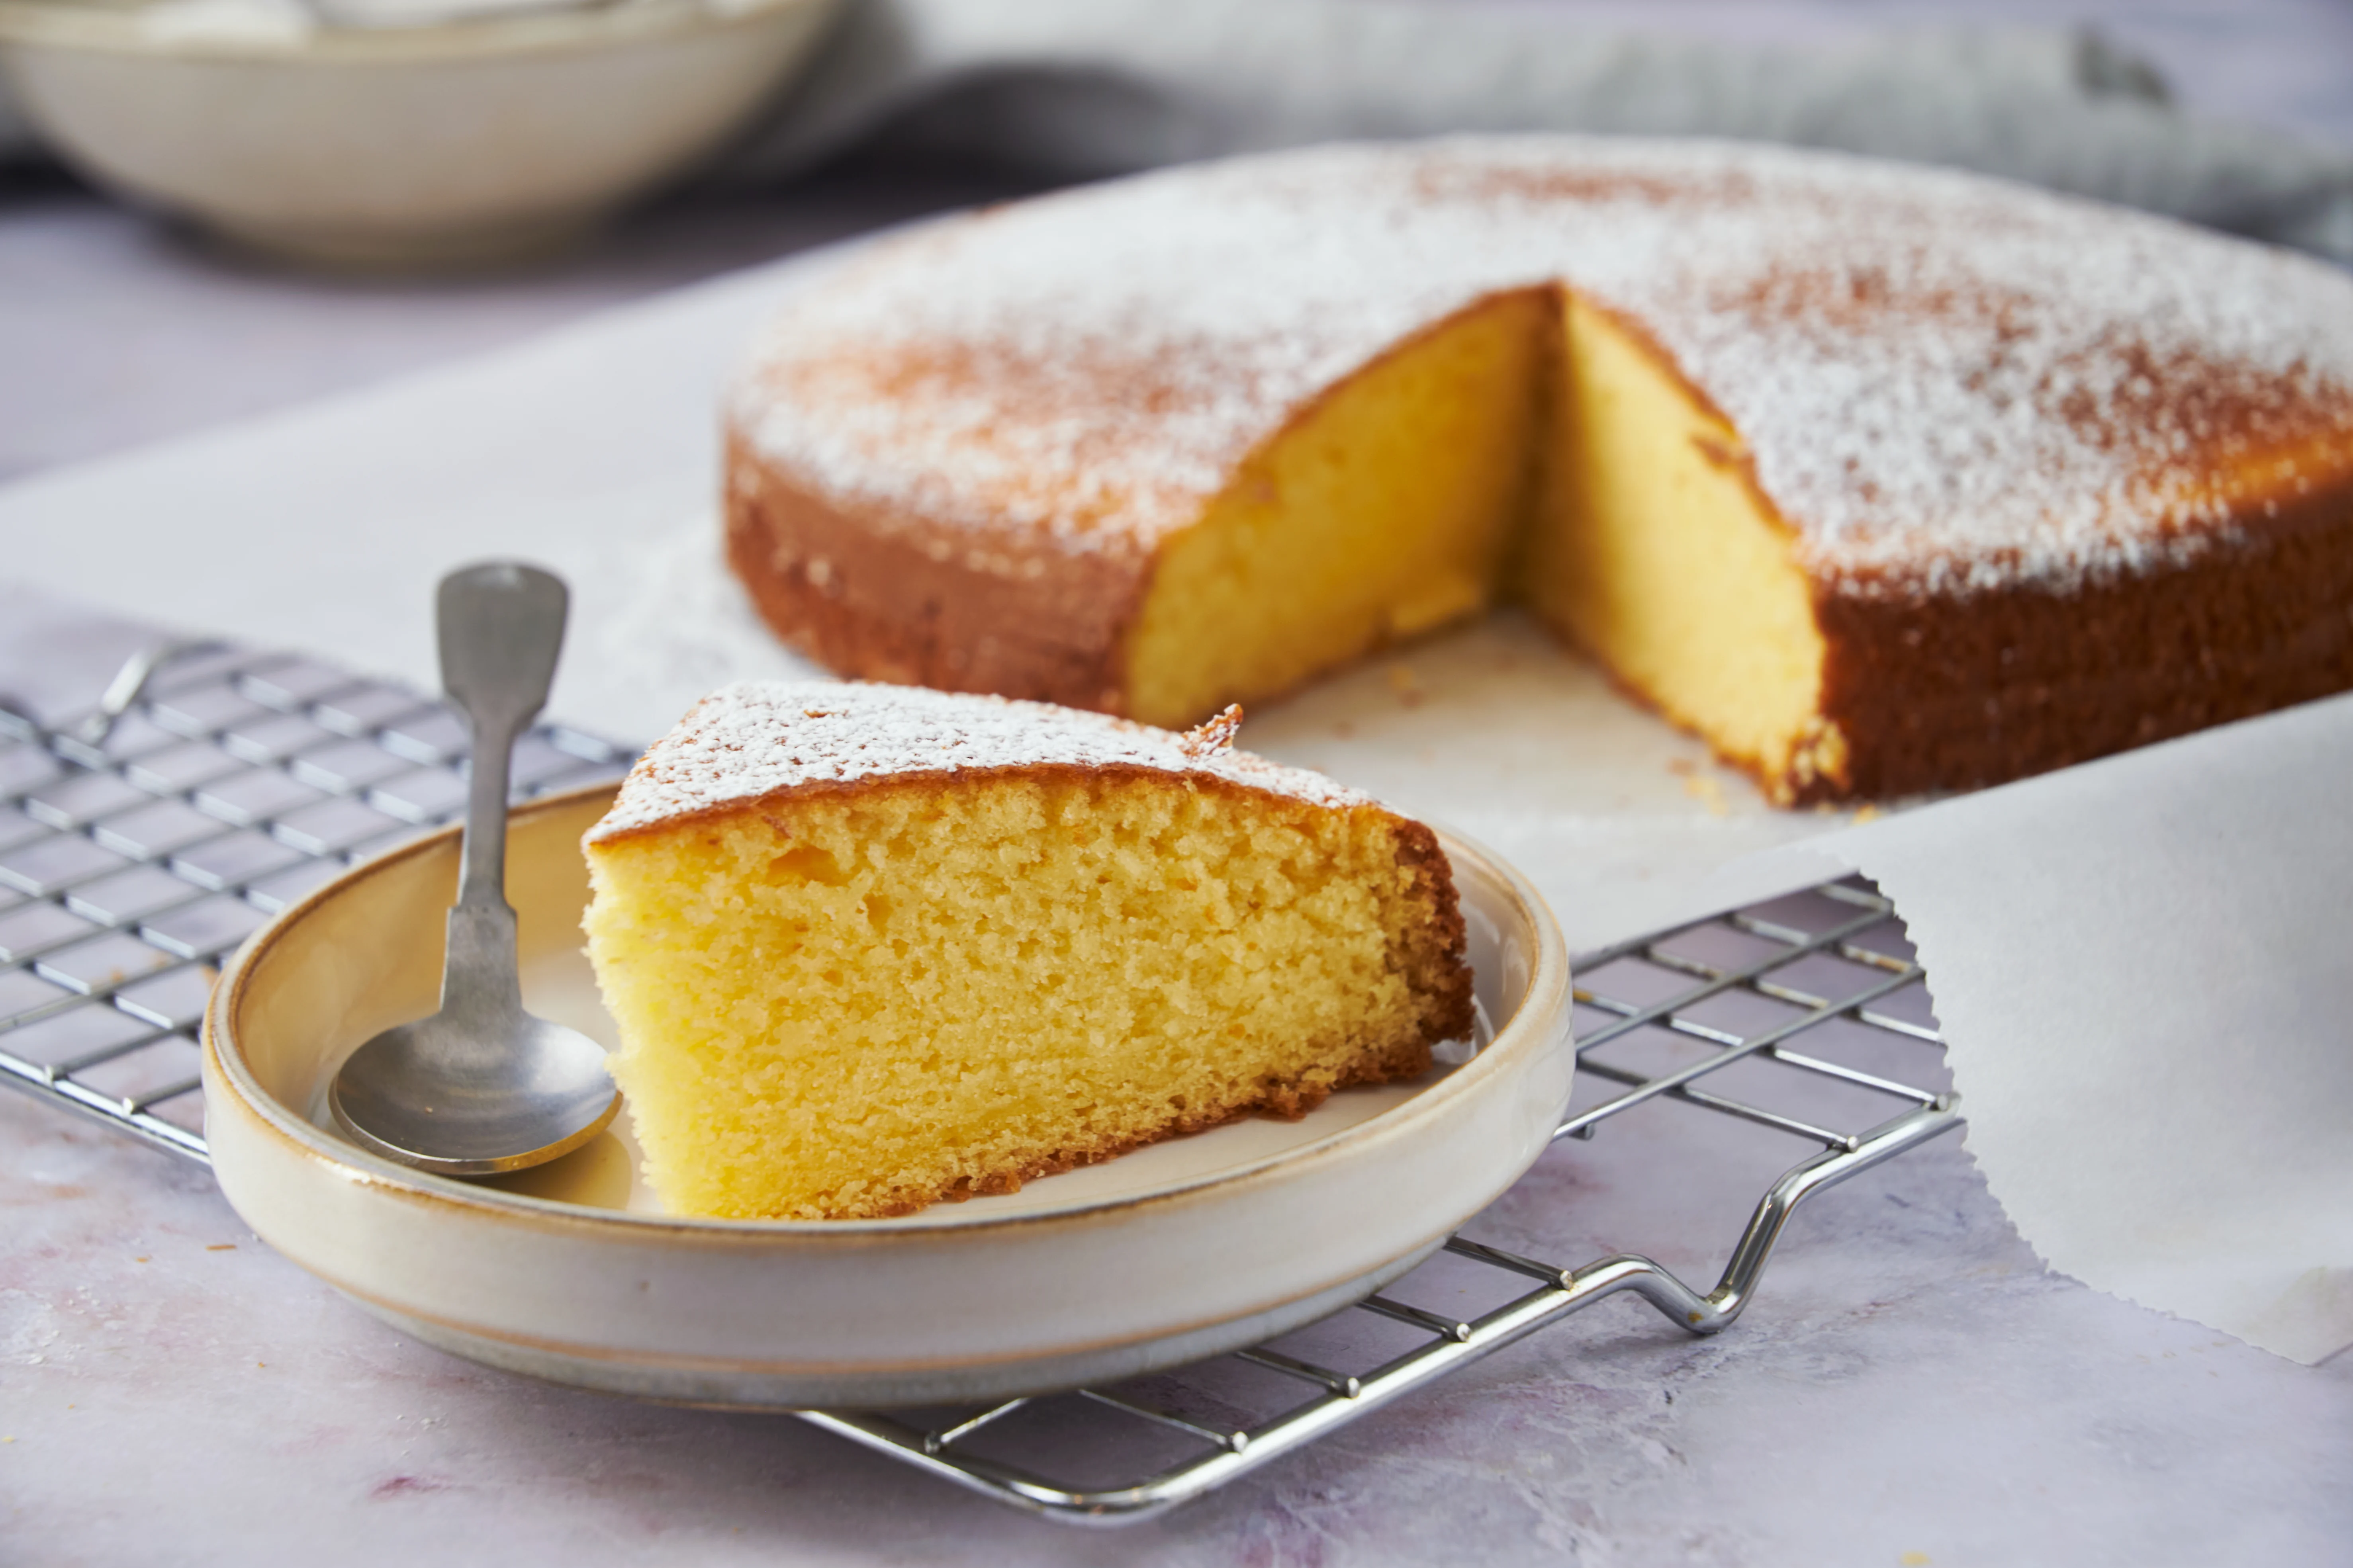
872	947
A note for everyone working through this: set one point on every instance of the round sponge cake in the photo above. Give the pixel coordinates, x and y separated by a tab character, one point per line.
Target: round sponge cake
1880	478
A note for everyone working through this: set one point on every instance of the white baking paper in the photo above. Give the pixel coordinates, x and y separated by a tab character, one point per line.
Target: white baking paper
2144	970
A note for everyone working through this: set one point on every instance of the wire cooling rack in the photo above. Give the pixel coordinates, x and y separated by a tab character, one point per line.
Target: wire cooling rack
215	785
140	845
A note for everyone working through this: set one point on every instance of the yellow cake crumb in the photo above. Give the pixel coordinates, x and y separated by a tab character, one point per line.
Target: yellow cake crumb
854	1002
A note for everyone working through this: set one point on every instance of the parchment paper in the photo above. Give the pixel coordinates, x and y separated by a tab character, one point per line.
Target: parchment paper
2145	978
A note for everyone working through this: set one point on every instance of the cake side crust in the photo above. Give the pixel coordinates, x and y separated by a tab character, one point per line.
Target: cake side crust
899	598
758	739
1937	693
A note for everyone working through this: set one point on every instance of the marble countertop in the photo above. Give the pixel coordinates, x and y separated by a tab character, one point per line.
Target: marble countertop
1911	1387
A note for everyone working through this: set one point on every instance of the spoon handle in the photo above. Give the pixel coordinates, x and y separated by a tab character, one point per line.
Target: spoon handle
502	626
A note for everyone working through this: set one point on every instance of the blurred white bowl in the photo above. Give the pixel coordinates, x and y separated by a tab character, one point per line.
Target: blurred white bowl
454	143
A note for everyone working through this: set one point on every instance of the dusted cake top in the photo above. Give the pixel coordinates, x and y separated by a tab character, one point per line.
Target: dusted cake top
1944	381
764	738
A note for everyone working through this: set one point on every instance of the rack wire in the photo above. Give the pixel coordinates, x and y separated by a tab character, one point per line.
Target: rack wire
214	785
141	842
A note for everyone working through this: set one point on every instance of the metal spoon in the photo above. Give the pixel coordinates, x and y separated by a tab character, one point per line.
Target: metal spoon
482	1086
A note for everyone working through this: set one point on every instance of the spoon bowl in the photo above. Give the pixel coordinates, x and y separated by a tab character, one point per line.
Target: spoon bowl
426	1095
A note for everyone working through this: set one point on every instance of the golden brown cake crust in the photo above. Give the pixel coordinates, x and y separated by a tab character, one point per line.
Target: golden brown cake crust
1948	694
897	599
765	741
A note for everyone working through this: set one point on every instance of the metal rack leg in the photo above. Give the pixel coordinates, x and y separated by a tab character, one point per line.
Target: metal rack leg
1716	1311
1565	1291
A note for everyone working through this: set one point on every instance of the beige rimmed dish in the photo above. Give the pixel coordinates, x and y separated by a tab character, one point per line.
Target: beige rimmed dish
459	145
1181	1250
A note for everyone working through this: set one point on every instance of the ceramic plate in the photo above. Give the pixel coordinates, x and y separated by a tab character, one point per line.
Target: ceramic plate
573	1272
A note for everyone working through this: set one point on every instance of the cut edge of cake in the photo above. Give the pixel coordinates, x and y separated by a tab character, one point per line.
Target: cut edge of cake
1653	549
1387	505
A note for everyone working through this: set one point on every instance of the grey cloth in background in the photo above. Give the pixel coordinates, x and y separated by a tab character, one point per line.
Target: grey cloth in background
1083	88
1087	88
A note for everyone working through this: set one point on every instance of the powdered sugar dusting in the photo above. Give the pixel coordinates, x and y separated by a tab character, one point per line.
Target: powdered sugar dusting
763	737
1945	383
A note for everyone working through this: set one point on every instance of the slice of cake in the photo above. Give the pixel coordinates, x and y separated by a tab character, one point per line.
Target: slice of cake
871	947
